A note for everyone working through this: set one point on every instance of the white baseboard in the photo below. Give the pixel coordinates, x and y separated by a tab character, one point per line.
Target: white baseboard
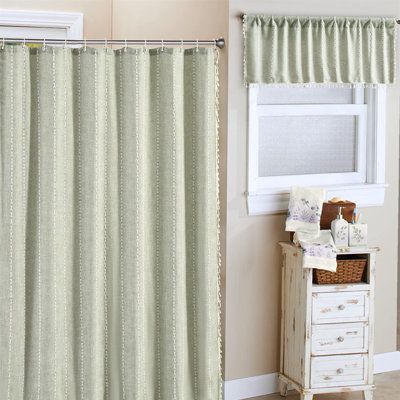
251	387
387	362
261	385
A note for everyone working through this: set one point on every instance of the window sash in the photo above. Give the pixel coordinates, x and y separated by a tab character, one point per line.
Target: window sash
256	111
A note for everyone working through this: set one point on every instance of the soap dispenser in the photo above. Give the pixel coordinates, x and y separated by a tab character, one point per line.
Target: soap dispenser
340	230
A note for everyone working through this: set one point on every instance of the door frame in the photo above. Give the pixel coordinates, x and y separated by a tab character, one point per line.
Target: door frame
71	22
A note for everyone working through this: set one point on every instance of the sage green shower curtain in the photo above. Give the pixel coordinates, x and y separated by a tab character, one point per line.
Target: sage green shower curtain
109	224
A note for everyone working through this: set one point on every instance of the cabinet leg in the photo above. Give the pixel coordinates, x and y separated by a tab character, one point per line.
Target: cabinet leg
283	388
368	395
306	397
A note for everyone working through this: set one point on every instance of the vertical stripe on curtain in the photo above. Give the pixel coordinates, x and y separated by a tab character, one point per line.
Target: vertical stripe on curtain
109	224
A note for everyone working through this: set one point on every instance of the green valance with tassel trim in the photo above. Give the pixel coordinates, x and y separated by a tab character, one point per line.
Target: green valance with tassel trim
319	50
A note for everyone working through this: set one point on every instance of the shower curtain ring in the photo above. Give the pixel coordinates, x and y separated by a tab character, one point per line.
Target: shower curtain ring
24	43
84	45
181	44
197	45
44	45
126	46
105	43
3	44
162	44
65	43
145	45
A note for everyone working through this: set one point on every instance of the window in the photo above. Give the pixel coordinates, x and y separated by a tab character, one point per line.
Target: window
315	136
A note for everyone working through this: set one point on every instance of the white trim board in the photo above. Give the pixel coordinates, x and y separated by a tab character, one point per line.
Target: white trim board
261	385
71	23
251	387
277	201
387	362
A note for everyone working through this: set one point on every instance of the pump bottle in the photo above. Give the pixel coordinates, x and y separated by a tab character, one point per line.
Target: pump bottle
340	230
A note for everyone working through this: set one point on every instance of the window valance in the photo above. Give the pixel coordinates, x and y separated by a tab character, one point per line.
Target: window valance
325	50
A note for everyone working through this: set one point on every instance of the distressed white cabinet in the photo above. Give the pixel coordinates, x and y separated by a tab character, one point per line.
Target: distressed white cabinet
327	331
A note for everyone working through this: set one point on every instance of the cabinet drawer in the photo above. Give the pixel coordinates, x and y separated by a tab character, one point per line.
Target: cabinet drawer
339	339
340	307
330	371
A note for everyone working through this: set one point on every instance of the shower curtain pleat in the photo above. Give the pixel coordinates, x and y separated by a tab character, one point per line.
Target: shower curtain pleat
108	252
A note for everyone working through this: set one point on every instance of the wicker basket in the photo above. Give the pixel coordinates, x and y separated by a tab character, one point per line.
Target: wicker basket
348	271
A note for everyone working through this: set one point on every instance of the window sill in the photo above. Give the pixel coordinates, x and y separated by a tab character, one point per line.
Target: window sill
276	201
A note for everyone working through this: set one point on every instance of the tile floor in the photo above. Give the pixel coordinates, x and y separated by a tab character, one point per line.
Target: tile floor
387	388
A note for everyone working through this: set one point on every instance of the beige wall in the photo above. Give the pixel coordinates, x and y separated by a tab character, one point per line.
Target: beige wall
253	257
97	20
147	19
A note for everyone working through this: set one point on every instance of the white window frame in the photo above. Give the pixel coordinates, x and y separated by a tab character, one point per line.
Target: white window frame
366	186
40	23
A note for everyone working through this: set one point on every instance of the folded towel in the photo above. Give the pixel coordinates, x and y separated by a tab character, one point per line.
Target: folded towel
305	207
319	251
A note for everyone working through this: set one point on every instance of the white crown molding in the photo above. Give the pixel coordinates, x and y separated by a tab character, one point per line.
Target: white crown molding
261	385
71	22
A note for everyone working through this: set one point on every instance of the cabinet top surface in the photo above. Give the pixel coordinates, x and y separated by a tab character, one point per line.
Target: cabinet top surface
348	250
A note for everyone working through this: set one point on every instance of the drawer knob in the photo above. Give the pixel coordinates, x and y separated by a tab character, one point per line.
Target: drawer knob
340	371
340	339
342	307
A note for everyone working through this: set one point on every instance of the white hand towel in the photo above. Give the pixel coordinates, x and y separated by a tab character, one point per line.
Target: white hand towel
319	251
305	208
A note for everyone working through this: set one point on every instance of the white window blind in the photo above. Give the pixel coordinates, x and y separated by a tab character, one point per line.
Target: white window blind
297	145
305	95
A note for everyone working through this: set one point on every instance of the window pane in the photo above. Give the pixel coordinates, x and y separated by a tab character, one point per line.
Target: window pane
296	145
304	95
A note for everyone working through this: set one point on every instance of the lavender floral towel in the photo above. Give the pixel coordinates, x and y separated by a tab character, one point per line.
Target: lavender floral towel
318	251
305	207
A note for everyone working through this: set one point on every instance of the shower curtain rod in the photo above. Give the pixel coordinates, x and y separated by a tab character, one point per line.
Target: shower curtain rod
220	42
